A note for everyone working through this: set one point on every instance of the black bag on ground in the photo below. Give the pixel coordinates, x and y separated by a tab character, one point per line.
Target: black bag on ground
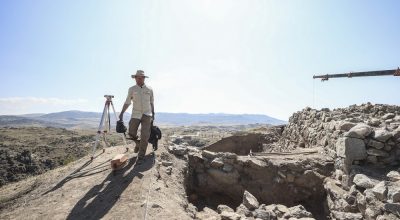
155	135
121	128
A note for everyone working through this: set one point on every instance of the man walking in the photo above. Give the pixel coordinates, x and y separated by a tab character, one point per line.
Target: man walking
142	99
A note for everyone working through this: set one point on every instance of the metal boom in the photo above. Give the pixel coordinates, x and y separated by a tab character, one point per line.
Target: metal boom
394	72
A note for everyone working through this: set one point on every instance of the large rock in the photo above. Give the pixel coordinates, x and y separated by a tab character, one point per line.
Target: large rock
376	152
208	154
217	163
394	192
346	215
363	181
380	190
250	201
393	208
360	130
206	214
280	210
382	135
376	144
388	116
243	210
374	122
264	214
351	148
297	212
334	191
346	126
393	176
222	208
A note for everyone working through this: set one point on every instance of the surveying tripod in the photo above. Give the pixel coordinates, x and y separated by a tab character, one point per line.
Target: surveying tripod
105	124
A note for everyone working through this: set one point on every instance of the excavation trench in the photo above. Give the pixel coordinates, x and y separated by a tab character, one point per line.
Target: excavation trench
216	178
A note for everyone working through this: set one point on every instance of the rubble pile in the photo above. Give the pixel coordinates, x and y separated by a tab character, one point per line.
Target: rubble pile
251	209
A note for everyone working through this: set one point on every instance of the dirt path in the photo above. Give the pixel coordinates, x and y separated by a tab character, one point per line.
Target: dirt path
90	190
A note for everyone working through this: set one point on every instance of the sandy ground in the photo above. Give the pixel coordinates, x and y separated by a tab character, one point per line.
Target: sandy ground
90	190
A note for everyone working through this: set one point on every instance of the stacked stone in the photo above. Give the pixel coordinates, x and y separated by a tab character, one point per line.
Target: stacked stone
306	129
364	144
323	128
360	139
366	198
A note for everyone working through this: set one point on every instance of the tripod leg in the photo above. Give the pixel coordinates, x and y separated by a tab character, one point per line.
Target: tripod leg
106	119
99	132
116	118
106	127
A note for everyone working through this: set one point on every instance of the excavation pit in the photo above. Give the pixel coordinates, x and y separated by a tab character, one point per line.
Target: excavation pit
243	144
221	178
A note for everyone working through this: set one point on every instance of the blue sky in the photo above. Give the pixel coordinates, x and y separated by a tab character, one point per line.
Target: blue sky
201	56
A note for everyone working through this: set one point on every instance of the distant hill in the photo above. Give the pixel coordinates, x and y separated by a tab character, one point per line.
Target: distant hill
215	119
81	119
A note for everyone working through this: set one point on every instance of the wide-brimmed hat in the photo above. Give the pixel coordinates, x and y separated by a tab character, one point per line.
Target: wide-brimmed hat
139	73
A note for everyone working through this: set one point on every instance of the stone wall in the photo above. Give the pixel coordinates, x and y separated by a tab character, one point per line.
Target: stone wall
222	178
364	134
364	141
364	194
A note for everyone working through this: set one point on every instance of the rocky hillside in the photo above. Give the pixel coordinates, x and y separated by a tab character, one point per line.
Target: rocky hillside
85	120
28	151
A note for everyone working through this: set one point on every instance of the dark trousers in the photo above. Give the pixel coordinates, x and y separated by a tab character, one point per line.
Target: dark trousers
145	121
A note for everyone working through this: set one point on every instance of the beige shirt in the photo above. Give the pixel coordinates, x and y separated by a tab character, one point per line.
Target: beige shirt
141	98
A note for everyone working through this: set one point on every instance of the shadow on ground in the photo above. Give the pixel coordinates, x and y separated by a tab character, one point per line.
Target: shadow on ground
96	203
81	172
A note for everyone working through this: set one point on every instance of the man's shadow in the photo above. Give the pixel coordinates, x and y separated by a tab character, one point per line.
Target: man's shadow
81	172
101	198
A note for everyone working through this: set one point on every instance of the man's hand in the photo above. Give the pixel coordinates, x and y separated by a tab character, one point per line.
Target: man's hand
121	114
